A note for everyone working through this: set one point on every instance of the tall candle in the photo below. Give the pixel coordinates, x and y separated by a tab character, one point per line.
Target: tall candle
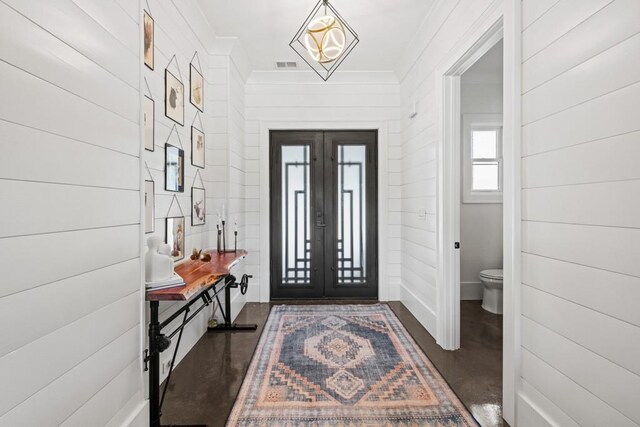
223	212
235	223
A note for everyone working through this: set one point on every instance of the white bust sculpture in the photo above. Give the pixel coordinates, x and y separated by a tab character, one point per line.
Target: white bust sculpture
158	262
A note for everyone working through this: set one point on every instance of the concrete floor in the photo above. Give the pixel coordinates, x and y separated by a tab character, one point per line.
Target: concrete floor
204	386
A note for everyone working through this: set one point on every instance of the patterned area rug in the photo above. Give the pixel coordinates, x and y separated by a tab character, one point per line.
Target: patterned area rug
342	365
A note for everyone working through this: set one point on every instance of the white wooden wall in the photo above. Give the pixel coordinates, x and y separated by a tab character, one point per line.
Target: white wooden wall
70	299
237	164
581	212
297	99
441	31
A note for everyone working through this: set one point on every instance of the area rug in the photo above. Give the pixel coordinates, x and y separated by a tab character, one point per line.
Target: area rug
342	365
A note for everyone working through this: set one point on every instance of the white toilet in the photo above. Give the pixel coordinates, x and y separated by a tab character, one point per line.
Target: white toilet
492	295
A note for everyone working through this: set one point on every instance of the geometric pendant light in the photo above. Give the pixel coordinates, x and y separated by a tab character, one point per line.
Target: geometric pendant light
324	40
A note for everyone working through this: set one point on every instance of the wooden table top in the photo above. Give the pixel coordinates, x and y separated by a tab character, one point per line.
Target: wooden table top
198	276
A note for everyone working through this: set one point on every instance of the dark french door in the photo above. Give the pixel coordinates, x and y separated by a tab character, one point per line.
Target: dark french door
324	214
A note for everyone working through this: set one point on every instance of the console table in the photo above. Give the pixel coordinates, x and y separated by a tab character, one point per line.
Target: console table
203	282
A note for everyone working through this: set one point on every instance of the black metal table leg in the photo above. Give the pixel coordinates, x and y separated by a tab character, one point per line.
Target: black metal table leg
226	313
154	369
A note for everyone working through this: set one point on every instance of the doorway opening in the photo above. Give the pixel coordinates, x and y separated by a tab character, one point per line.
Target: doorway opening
323	214
473	224
481	182
481	227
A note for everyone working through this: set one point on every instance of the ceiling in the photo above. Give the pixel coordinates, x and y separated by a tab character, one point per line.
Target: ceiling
488	69
265	28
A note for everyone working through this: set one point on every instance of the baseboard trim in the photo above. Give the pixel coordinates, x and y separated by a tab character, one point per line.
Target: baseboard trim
535	409
135	413
140	417
471	291
419	309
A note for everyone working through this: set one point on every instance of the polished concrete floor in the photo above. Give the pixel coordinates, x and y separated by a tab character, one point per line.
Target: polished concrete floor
205	384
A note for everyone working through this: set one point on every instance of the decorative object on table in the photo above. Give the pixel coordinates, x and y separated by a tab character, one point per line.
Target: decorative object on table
206	257
235	234
174	165
196	84
358	361
197	148
148	40
224	238
159	266
195	254
149	123
149	206
175	236
324	40
173	94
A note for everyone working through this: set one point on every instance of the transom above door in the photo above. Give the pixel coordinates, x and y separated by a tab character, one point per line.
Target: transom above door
323	214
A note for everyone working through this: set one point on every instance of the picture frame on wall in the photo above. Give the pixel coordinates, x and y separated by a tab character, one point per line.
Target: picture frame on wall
197	148
198	203
173	98
196	88
173	169
175	229
149	207
149	123
149	42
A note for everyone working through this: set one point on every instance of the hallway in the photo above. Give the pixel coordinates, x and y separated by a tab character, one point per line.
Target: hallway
436	151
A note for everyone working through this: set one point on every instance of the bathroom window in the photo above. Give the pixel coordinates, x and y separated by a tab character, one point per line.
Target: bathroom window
482	158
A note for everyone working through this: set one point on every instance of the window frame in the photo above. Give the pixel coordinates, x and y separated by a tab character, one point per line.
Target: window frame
471	122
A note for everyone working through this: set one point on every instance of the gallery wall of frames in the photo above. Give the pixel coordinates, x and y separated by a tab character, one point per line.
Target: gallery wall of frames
183	167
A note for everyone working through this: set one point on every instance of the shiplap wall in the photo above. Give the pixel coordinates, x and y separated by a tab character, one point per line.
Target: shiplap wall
302	98
442	29
233	72
70	300
581	213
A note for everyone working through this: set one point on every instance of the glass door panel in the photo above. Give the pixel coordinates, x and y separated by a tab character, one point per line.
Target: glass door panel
352	215
296	225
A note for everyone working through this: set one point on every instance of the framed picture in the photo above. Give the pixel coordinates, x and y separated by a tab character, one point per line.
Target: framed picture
173	168
149	123
173	98
196	86
197	147
197	206
148	40
175	237
149	207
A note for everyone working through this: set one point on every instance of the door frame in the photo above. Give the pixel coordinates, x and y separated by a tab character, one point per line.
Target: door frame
502	21
385	293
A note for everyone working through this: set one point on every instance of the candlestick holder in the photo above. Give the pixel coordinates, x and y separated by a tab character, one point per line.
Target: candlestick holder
219	245
235	241
224	241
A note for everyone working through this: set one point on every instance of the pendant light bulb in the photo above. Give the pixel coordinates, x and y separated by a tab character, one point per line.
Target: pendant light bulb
325	39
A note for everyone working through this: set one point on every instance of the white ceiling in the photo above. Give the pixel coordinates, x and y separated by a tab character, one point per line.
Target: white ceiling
488	69
265	28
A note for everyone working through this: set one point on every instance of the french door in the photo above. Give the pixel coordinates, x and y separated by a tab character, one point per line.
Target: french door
323	214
